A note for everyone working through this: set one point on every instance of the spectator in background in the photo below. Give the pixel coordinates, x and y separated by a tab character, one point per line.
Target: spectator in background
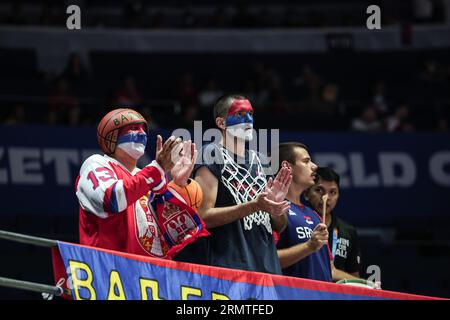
128	95
367	121
328	105
210	94
147	113
379	98
186	92
343	238
75	72
190	113
16	116
188	97
249	89
61	102
268	86
309	83
276	97
259	75
398	122
74	116
270	93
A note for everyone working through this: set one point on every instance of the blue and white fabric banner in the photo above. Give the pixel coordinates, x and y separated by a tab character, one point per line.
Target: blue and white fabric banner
100	274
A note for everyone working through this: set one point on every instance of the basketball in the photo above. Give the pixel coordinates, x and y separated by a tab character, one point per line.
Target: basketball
192	193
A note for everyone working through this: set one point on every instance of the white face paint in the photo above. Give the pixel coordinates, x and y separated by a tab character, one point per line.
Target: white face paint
242	131
133	149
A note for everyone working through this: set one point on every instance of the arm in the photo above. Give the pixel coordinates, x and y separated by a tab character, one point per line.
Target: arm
102	193
294	254
339	274
99	190
215	217
279	223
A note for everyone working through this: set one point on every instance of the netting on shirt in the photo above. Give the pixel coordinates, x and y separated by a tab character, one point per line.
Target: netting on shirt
245	185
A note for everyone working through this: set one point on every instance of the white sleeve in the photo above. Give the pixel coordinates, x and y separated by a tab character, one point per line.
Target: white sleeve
96	176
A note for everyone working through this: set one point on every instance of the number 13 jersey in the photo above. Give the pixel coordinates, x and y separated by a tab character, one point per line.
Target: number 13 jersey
113	210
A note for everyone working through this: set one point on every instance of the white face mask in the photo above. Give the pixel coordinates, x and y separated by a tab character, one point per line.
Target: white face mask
133	144
242	131
133	149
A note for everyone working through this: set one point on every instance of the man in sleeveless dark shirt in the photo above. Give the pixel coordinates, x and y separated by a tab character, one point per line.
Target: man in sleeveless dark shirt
241	205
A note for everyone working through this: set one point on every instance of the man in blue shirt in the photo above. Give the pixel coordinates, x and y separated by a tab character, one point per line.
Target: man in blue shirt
303	247
343	239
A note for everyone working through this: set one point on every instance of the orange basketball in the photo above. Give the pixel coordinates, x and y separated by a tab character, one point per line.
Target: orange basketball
192	193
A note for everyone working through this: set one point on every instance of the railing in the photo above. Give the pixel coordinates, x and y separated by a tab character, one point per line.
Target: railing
27	285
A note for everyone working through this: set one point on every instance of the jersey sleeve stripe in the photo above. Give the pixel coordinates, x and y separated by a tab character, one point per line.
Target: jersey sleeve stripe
110	201
119	193
162	181
160	185
155	164
114	207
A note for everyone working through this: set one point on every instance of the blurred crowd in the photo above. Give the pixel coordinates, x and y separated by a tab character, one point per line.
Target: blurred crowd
322	97
279	101
222	14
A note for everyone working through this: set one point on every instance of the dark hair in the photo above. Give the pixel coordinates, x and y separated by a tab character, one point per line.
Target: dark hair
224	103
327	174
286	151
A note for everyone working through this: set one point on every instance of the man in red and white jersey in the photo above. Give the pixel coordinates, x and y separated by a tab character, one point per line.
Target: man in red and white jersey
113	193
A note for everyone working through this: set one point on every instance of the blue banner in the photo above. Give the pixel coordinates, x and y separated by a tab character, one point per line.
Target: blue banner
386	178
102	274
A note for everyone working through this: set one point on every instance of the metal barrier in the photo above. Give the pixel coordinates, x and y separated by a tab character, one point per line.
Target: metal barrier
27	285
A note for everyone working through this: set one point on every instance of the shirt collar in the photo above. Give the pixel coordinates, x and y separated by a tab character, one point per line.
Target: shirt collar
120	164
